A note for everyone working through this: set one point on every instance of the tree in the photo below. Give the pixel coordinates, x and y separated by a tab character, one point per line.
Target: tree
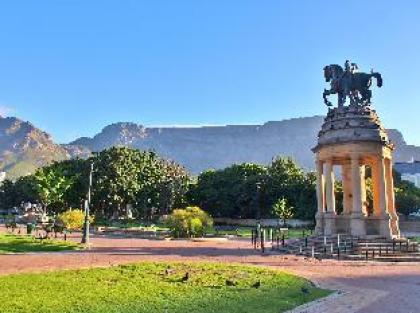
249	190
128	176
236	191
51	185
282	210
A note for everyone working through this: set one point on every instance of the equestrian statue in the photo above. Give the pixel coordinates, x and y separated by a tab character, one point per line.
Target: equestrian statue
348	82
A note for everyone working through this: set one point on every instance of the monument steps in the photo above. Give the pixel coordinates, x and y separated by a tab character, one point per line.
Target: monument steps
346	247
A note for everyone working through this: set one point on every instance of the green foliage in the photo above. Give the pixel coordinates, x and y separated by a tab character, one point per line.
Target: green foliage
13	243
188	222
124	176
72	219
157	287
282	210
250	190
121	176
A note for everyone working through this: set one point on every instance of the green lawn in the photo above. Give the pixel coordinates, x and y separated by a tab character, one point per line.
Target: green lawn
246	232
157	288
416	239
15	243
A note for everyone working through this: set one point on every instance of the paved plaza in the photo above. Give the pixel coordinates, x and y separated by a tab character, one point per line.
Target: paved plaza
361	287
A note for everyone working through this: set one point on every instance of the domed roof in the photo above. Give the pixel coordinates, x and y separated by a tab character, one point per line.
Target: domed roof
349	124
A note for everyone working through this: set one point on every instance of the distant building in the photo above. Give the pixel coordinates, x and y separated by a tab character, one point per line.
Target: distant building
410	171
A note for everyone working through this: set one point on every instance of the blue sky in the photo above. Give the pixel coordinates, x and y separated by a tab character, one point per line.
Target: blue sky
72	67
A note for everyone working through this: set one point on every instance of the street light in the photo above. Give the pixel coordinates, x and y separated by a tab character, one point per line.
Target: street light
85	237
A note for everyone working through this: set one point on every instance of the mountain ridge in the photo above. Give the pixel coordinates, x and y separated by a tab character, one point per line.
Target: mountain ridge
24	147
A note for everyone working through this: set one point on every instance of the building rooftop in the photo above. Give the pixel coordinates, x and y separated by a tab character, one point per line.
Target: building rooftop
407	167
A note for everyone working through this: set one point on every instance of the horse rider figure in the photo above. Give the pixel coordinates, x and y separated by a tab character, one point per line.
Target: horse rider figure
347	78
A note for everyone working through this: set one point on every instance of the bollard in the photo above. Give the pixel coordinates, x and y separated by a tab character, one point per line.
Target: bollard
306	241
325	249
332	248
282	240
300	249
393	246
380	250
367	255
345	247
262	241
338	240
313	252
338	253
271	235
373	254
325	240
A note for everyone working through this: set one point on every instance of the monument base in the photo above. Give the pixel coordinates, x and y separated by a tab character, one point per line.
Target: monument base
329	224
357	225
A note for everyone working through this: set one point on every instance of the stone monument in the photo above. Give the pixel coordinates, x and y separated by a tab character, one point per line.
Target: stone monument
353	140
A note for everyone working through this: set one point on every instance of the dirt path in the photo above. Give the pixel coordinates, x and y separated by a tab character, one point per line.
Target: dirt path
370	288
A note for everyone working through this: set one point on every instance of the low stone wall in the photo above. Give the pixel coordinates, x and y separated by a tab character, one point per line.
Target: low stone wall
410	226
264	222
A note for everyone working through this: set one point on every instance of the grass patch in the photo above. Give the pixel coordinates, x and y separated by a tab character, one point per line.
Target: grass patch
244	231
14	243
416	239
157	288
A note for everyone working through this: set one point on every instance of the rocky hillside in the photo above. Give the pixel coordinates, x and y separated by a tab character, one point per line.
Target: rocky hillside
219	146
23	147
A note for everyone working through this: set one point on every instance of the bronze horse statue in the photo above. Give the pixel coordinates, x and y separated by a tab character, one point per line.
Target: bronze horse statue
349	83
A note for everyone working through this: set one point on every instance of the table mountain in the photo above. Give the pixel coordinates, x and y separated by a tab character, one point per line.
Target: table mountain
216	147
23	147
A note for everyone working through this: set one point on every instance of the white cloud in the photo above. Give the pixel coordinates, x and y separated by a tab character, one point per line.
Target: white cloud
6	110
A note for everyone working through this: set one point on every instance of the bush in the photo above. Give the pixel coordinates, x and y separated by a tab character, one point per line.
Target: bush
188	222
72	219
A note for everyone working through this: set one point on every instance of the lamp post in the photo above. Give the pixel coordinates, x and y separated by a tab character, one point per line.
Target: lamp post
258	185
85	237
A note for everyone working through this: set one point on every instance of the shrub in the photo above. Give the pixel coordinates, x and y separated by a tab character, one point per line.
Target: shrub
188	222
72	219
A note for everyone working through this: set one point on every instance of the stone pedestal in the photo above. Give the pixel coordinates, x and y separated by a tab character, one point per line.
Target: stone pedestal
357	225
353	138
319	227
329	224
385	227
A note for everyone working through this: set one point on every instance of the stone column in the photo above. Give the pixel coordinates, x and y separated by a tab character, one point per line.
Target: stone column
383	216
329	215
329	186
375	188
395	230
320	195
346	181
357	222
383	198
363	189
